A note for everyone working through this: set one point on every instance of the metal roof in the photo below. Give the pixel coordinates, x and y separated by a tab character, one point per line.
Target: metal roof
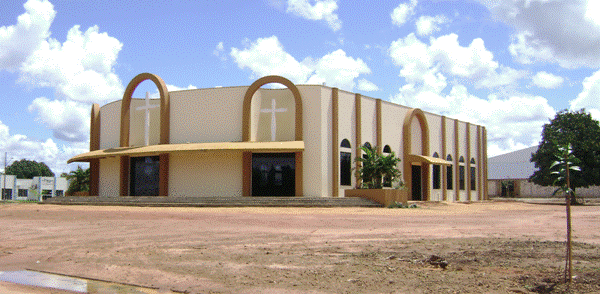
513	165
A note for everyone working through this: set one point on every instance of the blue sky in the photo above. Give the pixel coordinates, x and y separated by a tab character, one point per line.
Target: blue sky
506	64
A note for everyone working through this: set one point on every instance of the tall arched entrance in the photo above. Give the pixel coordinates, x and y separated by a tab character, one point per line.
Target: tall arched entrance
272	174
416	166
159	163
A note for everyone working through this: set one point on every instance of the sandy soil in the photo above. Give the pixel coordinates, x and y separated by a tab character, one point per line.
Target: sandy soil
492	247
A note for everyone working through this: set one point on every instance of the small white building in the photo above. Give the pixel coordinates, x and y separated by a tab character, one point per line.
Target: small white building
38	188
509	177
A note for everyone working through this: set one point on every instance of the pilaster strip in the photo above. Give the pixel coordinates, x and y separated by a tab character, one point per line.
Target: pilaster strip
443	168
378	125
299	174
247	174
95	145
484	179
335	141
357	132
456	164
479	166
468	162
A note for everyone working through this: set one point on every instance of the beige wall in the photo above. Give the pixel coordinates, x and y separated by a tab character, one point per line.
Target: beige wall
205	174
196	115
346	129
369	121
314	137
110	125
109	177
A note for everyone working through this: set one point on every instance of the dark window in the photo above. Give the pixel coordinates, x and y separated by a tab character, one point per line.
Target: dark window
59	193
345	144
473	180
387	149
23	192
345	168
436	155
449	175
461	159
461	177
144	176
6	194
436	177
472	160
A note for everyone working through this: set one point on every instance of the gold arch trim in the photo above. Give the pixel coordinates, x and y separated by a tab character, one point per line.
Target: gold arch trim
248	103
165	124
407	146
165	114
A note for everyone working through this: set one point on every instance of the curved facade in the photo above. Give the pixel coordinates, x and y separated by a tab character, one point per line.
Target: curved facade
251	141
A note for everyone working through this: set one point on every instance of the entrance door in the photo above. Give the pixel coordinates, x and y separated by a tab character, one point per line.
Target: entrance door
144	176
273	174
416	183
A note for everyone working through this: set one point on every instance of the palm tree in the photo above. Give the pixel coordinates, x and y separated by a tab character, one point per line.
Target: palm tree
376	167
79	180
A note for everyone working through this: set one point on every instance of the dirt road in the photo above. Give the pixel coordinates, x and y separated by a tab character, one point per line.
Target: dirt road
488	247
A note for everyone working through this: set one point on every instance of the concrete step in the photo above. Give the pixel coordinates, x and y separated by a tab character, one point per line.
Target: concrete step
216	201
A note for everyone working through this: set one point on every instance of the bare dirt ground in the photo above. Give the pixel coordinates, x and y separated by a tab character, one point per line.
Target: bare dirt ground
493	247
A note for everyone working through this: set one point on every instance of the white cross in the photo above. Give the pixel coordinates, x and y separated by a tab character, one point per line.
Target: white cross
273	110
147	108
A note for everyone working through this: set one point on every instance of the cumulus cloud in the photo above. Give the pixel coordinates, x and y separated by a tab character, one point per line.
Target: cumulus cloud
320	10
69	120
401	13
588	98
426	25
80	69
266	56
219	52
18	41
21	147
443	57
566	32
547	80
367	86
512	123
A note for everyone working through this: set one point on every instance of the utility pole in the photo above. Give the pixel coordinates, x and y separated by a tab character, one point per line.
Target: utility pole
4	184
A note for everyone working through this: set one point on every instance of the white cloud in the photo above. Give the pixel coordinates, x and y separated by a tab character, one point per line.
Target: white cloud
69	120
266	56
445	57
367	86
588	98
219	52
565	32
547	80
21	147
320	10
18	41
512	123
80	69
401	13
426	25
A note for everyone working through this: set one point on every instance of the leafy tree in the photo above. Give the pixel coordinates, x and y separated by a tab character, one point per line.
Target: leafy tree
583	133
376	167
27	169
79	180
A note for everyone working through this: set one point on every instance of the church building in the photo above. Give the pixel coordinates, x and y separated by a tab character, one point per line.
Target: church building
299	140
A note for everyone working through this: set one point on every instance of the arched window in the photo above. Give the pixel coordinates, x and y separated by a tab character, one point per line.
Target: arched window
387	149
345	163
461	173
449	175
437	179
367	145
473	174
345	144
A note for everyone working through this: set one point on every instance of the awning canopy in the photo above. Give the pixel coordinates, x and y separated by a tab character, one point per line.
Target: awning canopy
286	146
428	159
